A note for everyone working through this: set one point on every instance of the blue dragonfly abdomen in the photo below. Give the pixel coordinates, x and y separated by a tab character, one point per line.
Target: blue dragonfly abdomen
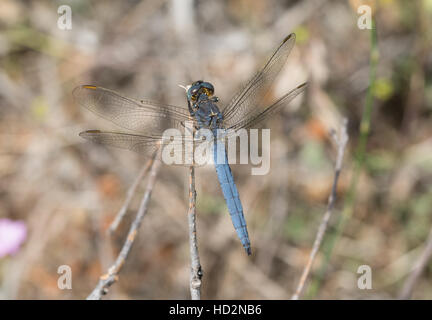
231	194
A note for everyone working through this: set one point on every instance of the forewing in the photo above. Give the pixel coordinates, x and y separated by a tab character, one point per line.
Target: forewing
145	117
257	120
246	104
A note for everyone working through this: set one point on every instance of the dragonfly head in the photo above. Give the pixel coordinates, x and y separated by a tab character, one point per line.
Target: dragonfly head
198	88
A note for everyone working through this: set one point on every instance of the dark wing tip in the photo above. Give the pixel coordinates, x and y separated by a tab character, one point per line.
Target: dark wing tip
87	133
303	85
288	37
248	251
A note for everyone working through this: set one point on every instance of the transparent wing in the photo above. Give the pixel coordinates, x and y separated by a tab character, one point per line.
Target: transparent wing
147	145
257	120
137	143
145	117
246	104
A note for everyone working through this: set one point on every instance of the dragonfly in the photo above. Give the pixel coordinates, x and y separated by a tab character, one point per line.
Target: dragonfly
148	120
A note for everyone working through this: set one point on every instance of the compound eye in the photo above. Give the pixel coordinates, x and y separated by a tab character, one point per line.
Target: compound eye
208	88
208	91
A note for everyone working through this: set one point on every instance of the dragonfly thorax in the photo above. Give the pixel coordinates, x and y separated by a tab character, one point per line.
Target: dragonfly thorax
207	114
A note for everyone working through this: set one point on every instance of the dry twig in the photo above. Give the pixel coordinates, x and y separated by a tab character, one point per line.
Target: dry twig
122	212
418	269
341	142
111	276
196	272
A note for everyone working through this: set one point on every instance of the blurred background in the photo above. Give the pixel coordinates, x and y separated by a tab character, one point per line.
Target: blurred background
59	193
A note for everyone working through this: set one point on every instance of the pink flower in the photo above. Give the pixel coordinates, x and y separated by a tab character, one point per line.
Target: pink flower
12	235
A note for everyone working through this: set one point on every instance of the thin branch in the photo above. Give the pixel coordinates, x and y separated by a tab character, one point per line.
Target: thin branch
122	212
418	269
111	276
196	271
359	159
341	142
